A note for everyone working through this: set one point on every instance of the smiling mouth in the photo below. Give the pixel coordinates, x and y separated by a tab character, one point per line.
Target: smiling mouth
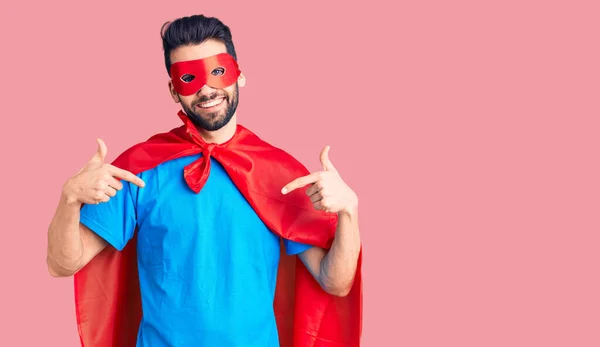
212	103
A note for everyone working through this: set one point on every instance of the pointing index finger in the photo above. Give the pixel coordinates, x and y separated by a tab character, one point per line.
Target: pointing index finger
126	175
300	182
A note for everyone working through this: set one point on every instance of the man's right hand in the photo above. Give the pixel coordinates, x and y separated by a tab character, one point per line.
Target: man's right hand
97	182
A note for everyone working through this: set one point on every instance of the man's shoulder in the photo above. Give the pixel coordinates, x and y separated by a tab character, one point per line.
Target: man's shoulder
153	151
258	143
271	153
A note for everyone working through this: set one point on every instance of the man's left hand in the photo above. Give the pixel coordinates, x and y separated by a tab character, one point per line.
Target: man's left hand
328	192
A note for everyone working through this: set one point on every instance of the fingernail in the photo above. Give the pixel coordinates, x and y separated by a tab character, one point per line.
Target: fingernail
284	190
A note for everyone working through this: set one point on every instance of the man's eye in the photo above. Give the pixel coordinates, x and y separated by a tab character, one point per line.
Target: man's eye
187	78
218	71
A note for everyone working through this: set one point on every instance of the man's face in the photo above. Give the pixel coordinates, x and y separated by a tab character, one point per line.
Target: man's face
208	108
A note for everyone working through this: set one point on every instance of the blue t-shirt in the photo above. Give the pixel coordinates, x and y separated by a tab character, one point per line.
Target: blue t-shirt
207	263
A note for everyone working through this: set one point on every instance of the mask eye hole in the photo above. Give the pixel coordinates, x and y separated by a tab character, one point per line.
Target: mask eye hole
187	78
220	71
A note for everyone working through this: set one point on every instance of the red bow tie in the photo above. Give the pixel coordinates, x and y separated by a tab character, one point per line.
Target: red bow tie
196	173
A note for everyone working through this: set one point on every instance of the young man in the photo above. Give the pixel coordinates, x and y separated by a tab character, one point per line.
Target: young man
187	227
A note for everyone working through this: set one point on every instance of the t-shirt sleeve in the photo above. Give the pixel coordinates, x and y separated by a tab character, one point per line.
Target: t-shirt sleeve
115	220
292	247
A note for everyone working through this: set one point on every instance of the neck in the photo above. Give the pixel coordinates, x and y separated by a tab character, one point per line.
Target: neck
219	136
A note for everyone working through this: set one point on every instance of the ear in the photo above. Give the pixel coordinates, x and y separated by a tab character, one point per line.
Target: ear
173	92
242	80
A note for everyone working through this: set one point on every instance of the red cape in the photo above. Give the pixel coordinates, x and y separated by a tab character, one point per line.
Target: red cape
107	297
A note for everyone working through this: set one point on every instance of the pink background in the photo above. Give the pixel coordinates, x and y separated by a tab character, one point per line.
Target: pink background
469	131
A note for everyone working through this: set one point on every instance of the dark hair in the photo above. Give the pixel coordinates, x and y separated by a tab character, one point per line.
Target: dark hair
194	30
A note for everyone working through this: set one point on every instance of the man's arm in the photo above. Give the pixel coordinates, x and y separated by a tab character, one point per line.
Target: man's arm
71	244
333	269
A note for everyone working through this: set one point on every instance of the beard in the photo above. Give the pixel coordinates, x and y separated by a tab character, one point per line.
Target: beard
214	120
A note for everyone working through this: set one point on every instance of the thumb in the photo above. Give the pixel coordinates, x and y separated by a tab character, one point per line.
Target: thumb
100	153
325	162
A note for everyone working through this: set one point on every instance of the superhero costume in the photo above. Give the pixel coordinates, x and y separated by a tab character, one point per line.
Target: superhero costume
107	294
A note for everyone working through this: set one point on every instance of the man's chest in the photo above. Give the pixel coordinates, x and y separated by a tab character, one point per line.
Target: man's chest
177	226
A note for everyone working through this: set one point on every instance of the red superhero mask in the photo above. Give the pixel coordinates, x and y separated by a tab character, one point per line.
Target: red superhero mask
218	71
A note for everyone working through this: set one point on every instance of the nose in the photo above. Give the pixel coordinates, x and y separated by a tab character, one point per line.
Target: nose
206	90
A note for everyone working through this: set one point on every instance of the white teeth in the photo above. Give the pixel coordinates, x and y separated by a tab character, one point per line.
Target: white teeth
211	103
